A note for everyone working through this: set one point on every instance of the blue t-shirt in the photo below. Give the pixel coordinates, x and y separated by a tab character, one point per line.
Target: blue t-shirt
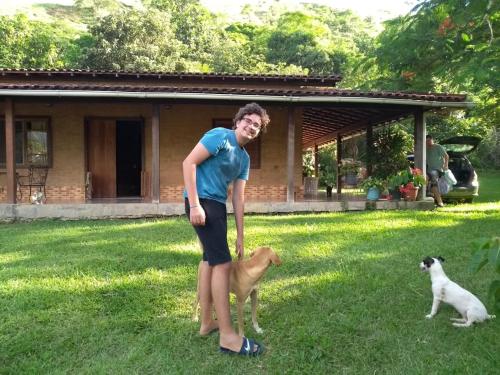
228	162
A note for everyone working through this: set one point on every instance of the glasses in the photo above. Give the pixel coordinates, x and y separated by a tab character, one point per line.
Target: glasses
249	122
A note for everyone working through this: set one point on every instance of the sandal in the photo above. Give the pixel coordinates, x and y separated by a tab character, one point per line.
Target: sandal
247	348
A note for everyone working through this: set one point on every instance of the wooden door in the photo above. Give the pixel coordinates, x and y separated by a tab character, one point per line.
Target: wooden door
101	148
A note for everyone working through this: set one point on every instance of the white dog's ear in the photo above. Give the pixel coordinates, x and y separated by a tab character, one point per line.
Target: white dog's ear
441	259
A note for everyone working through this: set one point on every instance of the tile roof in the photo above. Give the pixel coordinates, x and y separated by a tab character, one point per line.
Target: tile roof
180	76
300	92
324	115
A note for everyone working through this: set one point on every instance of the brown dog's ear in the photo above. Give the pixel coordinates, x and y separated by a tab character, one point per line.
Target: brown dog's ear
275	259
252	253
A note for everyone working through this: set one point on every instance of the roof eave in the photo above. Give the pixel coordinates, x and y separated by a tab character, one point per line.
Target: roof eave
236	97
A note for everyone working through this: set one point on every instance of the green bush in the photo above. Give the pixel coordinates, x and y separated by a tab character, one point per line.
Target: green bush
489	252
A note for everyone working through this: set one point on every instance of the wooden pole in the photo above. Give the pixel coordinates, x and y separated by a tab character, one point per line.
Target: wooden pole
291	156
10	150
420	156
369	148
339	160
155	139
316	161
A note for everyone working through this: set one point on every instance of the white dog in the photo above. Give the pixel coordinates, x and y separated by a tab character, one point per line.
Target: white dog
443	289
37	197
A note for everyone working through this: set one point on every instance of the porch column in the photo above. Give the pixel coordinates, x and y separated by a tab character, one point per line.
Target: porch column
420	156
10	153
316	159
339	160
369	146
290	198
155	151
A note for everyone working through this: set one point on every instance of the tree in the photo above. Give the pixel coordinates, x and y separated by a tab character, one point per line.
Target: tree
134	40
195	27
443	46
35	44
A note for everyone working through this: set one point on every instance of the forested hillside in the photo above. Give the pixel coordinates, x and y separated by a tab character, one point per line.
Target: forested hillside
442	45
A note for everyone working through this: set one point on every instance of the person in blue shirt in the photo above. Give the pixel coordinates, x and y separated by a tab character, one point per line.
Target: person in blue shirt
216	161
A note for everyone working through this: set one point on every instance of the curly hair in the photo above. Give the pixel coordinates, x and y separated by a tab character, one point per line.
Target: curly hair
249	109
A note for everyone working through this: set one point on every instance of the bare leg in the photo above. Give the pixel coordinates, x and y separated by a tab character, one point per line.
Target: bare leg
220	291
206	302
437	196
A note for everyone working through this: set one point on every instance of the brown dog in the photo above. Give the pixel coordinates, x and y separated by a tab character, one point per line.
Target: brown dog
244	282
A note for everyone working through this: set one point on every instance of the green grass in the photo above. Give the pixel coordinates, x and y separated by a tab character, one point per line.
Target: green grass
114	297
489	186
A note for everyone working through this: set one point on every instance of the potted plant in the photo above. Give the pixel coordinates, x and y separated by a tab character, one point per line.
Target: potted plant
387	154
395	181
415	181
373	187
328	179
349	168
327	168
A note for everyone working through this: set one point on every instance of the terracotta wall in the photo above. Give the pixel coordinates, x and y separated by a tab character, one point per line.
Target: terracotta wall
181	126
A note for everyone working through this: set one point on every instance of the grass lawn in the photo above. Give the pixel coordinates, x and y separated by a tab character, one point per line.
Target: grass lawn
114	297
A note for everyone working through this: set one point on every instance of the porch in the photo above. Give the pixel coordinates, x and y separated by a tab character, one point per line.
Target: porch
78	119
128	209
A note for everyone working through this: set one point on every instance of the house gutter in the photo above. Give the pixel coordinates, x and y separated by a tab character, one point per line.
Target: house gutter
235	97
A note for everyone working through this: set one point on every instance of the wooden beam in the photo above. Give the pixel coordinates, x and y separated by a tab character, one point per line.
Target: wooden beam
339	160
329	137
369	148
420	156
290	163
316	161
155	137
10	150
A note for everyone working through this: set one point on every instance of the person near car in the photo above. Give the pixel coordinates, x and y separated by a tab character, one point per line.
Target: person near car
437	164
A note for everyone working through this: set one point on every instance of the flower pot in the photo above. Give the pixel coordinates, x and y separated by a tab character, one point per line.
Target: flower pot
351	178
395	194
373	194
411	194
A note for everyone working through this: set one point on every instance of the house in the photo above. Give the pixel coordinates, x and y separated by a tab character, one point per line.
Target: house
113	142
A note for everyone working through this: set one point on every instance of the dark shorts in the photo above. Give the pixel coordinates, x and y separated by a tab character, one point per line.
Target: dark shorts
433	176
213	235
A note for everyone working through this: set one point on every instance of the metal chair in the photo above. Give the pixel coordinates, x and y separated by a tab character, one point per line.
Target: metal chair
36	178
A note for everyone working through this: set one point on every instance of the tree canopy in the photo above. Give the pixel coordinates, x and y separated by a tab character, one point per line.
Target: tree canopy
441	45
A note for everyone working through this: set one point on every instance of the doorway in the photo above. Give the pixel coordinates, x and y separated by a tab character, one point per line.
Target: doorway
128	158
114	157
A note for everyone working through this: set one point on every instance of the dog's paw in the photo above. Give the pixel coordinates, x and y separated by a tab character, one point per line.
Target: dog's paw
429	316
259	330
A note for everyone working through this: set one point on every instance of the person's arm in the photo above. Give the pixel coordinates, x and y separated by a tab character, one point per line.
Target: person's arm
195	157
446	160
239	210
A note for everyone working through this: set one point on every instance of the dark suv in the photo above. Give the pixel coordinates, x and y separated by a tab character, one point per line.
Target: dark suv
467	186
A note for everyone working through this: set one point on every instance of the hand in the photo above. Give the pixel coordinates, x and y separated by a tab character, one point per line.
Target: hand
239	249
197	216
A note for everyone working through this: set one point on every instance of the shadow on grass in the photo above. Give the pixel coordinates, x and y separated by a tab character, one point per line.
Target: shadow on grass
115	296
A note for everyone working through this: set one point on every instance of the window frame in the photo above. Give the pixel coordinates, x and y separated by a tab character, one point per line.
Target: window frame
254	151
24	120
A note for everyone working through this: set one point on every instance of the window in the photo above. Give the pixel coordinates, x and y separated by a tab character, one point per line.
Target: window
253	148
31	142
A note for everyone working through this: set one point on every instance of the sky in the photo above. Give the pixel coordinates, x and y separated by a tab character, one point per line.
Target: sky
378	10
